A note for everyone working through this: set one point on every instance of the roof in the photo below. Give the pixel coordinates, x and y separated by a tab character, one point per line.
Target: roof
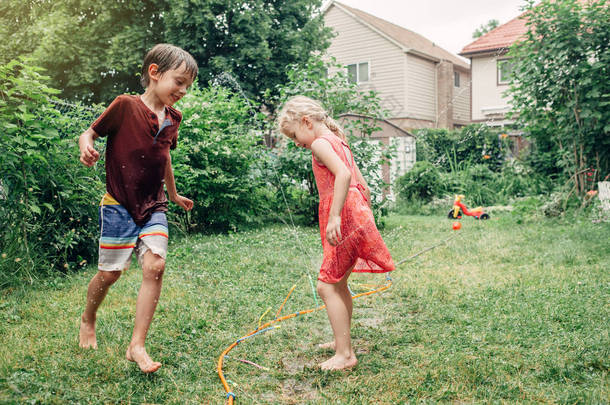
379	120
500	38
410	40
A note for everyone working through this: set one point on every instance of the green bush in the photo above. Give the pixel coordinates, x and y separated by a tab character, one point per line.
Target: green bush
218	162
422	182
48	206
458	149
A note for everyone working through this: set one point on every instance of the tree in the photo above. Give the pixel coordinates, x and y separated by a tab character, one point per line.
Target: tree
560	86
253	41
91	50
485	28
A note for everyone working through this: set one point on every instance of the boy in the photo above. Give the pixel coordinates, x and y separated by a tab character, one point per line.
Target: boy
141	130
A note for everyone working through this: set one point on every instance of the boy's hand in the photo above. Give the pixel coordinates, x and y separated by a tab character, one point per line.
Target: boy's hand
88	155
184	202
333	230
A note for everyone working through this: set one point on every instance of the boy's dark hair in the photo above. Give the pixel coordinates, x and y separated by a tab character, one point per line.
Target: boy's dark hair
167	57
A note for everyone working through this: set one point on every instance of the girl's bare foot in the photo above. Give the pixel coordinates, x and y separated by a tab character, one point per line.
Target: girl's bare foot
339	362
139	356
327	345
86	335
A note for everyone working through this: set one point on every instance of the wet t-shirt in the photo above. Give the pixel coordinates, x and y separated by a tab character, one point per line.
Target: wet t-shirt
137	151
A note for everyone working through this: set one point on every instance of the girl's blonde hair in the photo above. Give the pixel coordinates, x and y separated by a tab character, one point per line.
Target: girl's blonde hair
300	106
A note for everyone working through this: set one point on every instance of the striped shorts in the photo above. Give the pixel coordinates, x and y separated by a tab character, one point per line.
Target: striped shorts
120	236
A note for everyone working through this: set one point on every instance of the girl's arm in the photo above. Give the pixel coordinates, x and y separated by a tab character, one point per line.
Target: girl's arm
170	185
367	190
325	154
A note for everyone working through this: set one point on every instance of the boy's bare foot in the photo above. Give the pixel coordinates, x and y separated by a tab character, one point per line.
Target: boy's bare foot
327	345
139	356
86	335
338	362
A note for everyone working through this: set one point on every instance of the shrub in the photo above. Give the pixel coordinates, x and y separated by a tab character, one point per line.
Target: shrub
49	199
218	161
458	149
422	182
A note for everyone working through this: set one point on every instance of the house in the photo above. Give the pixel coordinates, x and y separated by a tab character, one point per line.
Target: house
490	69
388	133
419	83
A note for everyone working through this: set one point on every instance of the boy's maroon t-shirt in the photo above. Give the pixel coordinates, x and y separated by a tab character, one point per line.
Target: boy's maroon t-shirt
137	154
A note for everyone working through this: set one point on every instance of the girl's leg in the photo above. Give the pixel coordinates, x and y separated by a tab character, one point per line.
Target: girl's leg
346	297
339	309
153	267
96	292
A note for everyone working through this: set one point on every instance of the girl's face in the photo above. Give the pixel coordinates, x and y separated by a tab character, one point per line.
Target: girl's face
171	85
301	132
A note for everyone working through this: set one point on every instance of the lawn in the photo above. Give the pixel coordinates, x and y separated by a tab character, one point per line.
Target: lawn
503	312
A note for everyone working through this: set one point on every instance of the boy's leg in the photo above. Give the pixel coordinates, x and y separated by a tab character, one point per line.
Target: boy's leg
153	267
152	250
118	235
98	287
339	308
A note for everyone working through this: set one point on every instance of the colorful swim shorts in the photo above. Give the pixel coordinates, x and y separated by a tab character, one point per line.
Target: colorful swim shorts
120	236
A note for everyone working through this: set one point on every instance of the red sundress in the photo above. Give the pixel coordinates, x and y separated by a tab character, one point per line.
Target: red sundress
361	242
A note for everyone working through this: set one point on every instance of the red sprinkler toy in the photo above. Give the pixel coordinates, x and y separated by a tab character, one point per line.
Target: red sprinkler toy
459	208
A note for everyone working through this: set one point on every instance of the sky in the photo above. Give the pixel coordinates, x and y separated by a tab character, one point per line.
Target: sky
448	23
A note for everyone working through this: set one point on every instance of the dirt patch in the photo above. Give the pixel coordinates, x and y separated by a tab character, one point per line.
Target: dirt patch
294	391
370	322
296	364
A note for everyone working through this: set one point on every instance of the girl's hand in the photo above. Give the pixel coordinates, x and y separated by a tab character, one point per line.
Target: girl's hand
184	202
333	230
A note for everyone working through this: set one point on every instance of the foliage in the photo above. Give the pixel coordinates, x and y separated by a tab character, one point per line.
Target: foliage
217	161
92	50
560	87
49	199
485	28
253	41
426	183
422	182
453	150
338	97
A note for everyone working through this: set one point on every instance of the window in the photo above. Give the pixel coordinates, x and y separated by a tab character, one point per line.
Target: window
505	68
358	72
456	79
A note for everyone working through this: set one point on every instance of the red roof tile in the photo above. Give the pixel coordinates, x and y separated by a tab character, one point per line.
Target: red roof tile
500	37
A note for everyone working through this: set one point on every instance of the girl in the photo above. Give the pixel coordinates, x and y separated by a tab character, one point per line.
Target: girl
350	239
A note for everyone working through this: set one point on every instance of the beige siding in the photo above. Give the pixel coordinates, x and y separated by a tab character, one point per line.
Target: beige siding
488	98
421	88
461	98
355	43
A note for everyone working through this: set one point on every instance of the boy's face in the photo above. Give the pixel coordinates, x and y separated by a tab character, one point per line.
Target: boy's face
171	85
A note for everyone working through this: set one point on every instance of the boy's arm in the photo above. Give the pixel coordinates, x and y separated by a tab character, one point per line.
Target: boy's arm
170	185
325	154
88	154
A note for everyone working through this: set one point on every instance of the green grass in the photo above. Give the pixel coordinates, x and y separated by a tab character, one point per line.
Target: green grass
504	312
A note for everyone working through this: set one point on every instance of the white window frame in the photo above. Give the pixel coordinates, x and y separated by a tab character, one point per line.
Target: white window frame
499	64
357	64
456	79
